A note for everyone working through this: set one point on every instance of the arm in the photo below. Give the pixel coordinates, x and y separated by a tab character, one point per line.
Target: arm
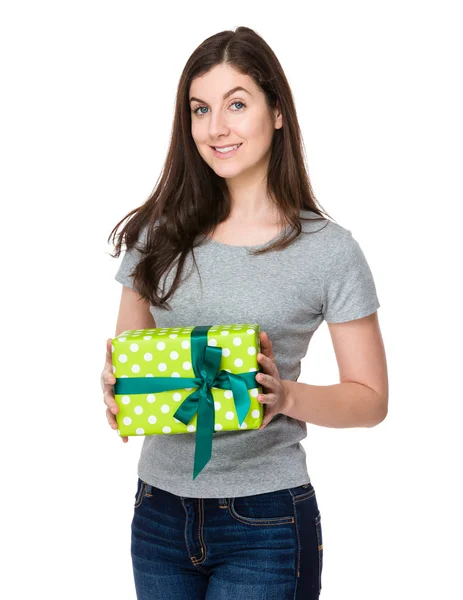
134	312
361	397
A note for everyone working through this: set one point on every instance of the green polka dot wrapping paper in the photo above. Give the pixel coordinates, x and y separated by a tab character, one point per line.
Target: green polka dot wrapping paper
192	380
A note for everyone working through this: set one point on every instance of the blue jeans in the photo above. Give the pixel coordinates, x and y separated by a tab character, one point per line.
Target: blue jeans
244	548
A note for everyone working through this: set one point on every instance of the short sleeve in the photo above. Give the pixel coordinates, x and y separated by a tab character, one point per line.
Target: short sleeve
349	290
129	261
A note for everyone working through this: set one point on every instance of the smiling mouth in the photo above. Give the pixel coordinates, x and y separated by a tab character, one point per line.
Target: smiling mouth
227	150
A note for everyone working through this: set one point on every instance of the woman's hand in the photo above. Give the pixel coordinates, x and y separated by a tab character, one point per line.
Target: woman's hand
275	398
107	385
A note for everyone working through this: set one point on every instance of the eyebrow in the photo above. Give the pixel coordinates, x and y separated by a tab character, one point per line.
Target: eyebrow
225	96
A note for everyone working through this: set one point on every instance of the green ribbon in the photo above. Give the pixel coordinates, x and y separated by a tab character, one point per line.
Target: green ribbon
206	363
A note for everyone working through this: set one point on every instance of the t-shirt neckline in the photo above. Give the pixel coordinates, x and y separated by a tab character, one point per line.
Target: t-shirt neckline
255	247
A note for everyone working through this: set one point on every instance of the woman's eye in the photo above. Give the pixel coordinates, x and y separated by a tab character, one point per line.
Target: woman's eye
200	114
238	102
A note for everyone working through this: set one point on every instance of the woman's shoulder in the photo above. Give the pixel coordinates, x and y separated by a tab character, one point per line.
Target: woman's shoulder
313	219
329	233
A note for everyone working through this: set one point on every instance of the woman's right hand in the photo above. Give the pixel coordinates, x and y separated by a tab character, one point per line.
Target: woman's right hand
107	385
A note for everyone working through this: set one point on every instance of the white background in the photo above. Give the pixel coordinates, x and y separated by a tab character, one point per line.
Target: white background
87	101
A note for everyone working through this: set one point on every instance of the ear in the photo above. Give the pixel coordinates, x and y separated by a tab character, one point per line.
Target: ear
277	117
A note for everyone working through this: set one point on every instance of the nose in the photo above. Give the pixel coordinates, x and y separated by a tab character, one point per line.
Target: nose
218	125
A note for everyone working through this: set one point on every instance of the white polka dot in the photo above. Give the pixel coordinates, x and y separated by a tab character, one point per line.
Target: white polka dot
173	335
251	350
217	405
186	365
149	375
152	419
255	414
252	369
191	428
123	358
160	346
218	427
228	394
237	341
238	362
134	347
138	410
224	332
125	399
148	356
173	355
122	376
121	339
243	425
114	369
177	397
140	431
212	342
135	369
127	420
147	337
112	348
175	374
250	331
185	344
166	429
187	389
162	366
118	432
225	351
229	415
165	408
176	420
254	392
150	398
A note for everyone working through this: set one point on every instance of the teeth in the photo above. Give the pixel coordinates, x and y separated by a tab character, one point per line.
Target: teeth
226	149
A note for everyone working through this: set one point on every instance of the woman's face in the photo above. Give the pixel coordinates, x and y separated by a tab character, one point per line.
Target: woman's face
241	118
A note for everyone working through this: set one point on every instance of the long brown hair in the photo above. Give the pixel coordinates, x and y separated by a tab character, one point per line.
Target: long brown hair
190	199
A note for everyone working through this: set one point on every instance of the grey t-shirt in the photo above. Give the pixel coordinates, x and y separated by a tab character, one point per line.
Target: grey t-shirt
320	276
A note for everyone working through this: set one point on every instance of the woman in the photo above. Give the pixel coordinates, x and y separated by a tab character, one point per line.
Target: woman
235	201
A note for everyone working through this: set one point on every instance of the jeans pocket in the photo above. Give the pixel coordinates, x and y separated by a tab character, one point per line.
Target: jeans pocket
141	485
318	527
271	508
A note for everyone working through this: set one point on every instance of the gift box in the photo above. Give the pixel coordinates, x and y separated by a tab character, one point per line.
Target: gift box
199	379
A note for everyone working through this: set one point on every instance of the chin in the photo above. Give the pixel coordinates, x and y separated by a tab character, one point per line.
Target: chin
227	173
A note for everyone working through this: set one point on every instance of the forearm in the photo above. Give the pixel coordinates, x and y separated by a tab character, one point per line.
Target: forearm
342	405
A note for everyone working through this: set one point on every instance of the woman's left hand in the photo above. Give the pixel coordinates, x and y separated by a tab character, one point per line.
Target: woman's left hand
275	397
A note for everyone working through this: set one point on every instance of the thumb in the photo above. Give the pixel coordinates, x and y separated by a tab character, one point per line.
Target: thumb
266	345
109	354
